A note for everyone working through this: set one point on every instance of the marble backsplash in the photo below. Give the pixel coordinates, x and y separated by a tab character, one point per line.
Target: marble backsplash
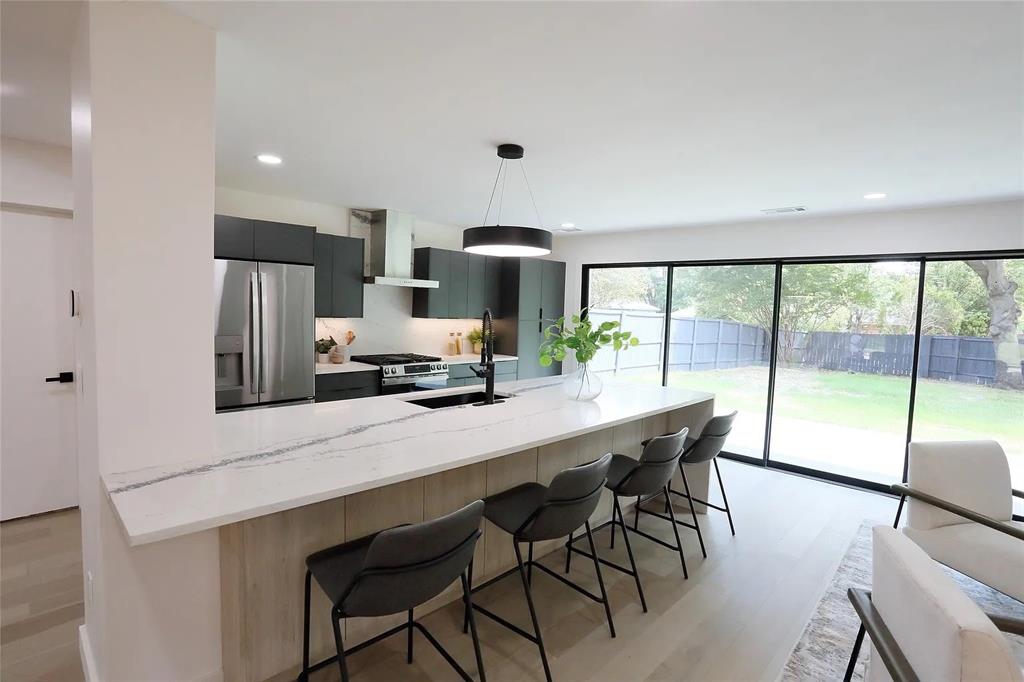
387	325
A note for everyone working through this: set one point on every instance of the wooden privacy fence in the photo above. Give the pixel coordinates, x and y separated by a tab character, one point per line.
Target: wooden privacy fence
700	344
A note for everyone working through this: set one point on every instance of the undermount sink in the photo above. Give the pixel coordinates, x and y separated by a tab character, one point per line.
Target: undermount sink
456	400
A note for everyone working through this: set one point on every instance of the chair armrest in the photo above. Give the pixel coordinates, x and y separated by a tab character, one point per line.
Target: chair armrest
885	644
966	513
1014	626
1017	493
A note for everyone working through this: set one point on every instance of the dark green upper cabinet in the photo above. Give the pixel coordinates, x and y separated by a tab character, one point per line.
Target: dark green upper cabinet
232	238
530	288
467	283
476	300
533	295
458	285
431	263
338	278
283	243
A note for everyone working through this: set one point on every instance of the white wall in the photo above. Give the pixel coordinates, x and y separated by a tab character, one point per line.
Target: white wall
35	174
972	227
143	154
387	324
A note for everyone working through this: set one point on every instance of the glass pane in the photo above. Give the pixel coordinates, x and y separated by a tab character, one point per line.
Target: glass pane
635	298
842	385
720	341
969	374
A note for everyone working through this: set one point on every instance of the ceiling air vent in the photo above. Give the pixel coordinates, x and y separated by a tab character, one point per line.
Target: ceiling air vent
783	209
566	229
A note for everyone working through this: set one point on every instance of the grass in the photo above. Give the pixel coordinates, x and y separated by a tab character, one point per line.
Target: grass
944	409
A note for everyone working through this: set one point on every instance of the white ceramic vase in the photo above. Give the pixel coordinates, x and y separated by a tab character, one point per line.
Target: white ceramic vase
582	384
323	358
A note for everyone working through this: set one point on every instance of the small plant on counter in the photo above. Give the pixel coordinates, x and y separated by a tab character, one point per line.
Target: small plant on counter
476	338
324	346
583	340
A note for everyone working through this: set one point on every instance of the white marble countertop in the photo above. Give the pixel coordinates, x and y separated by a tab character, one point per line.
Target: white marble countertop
472	358
331	368
266	461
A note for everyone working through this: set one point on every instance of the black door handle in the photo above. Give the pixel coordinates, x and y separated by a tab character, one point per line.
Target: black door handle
63	377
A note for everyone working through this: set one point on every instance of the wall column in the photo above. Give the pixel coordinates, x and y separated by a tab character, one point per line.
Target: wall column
143	165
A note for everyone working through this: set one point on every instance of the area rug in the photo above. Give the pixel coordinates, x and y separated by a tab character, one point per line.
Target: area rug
826	643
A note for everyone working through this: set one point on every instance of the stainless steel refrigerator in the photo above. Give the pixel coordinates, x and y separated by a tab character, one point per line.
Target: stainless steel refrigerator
263	343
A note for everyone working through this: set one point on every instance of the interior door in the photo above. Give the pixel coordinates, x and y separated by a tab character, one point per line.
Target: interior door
38	461
287	321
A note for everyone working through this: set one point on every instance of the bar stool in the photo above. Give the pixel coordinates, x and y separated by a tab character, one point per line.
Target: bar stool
531	513
392	571
705	447
628	477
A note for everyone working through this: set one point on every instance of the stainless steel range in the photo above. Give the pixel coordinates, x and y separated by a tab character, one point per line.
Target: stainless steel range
403	372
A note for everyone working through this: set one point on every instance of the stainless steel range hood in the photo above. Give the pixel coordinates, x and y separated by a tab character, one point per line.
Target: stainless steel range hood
391	235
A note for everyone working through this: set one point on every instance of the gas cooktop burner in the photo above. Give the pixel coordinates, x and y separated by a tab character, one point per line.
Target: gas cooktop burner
394	358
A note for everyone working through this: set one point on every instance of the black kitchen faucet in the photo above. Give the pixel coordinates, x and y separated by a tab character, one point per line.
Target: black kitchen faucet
486	370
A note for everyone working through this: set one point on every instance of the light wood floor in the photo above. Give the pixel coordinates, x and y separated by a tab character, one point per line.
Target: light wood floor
41	603
736	618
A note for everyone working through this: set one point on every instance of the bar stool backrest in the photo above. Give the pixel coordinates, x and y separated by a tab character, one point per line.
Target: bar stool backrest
408	565
657	464
570	500
711	440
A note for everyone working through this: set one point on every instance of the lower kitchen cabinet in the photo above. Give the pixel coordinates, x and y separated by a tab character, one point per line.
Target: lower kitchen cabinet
347	385
463	375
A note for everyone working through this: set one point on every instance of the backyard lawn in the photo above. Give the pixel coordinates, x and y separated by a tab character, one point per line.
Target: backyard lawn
945	410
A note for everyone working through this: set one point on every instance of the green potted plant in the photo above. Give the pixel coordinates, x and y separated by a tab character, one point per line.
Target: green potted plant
476	338
583	340
323	347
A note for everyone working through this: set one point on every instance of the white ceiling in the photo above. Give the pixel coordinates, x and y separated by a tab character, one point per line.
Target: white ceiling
632	114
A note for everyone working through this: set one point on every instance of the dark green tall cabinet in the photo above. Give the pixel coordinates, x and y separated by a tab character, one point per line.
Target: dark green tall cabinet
338	276
533	297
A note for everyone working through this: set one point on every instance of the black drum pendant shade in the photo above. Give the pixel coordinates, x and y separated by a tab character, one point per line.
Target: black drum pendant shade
507	240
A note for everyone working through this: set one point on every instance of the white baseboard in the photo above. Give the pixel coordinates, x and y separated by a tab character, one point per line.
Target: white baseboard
86	654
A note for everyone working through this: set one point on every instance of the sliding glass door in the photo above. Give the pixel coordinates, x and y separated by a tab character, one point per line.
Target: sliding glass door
972	341
720	341
844	362
818	356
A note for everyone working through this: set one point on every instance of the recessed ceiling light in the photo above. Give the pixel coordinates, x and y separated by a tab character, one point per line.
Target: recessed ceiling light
568	226
876	195
269	159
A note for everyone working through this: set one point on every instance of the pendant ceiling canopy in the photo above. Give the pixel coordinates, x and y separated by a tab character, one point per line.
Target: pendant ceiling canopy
507	240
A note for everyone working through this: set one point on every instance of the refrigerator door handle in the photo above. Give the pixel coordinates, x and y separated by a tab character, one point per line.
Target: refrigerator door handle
264	336
255	348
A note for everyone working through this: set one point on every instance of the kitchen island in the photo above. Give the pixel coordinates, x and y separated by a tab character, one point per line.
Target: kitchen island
285	482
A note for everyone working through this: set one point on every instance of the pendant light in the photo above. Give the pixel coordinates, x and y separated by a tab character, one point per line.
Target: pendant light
507	240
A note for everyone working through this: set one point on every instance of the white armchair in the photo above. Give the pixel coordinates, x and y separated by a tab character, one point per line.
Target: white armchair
922	626
961	511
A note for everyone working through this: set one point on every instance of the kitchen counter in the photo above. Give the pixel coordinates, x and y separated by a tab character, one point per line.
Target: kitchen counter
331	368
267	461
474	358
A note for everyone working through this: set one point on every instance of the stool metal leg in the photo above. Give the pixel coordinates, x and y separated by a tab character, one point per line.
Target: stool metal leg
675	529
611	545
468	614
336	622
568	553
629	552
600	578
853	656
529	564
304	675
408	658
693	512
533	611
467	595
725	500
636	515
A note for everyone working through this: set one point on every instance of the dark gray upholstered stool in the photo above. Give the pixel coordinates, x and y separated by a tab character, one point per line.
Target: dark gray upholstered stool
531	513
698	450
628	477
392	571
